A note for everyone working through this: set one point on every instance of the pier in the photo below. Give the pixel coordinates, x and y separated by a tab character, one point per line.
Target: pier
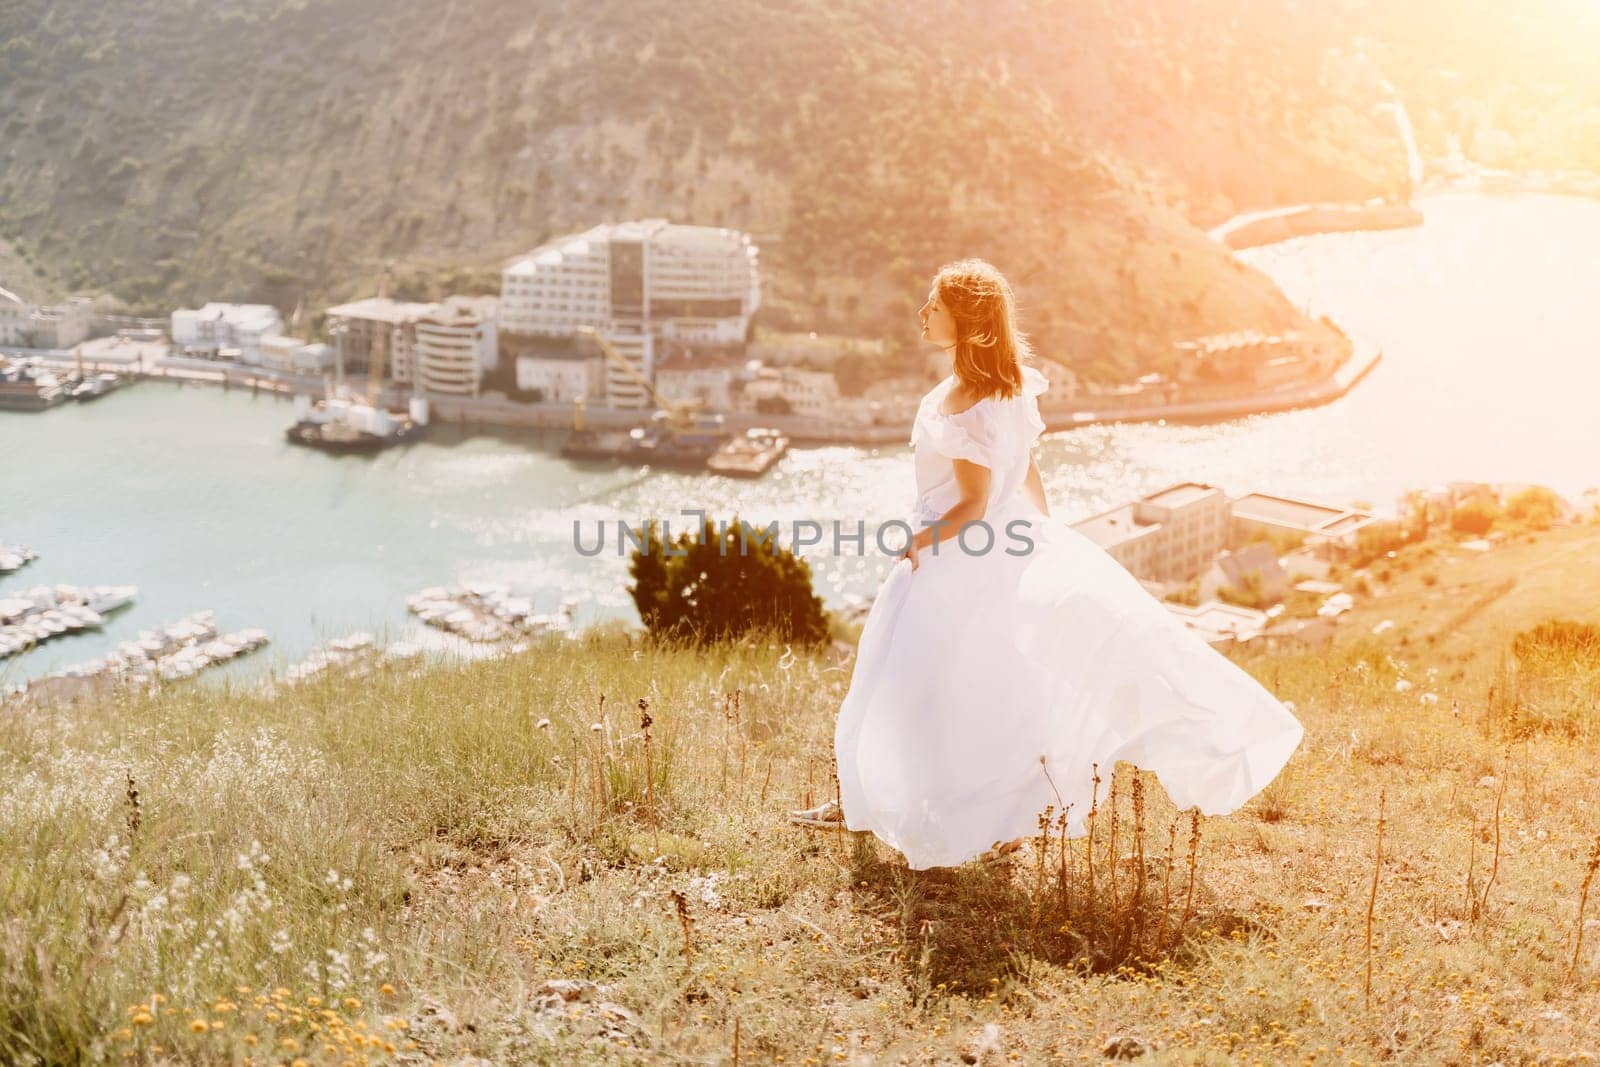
182	650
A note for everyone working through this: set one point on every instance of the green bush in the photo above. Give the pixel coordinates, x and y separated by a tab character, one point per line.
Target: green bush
720	585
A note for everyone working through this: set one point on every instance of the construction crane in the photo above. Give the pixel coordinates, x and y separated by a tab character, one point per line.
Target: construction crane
380	348
681	414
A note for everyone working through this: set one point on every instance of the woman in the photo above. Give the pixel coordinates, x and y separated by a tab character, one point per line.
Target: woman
996	668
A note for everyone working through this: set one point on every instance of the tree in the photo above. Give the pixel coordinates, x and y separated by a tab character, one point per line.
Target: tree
720	583
1473	517
1537	506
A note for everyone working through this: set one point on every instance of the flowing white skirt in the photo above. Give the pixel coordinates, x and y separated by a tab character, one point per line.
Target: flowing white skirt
986	685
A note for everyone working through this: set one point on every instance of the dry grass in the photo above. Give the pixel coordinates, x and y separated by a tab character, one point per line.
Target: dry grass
423	856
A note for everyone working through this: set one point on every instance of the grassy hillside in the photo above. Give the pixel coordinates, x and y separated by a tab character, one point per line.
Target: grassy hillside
454	863
267	148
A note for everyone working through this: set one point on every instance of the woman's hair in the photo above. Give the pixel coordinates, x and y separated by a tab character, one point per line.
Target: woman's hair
990	350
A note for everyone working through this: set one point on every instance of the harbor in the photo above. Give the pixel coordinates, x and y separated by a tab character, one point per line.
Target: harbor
180	490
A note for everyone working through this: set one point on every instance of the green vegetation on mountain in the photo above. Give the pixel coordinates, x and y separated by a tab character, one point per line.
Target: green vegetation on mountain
280	149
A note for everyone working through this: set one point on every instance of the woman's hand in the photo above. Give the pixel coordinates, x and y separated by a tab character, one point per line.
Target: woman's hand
911	553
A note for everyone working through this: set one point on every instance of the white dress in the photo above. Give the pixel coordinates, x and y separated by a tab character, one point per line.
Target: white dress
977	664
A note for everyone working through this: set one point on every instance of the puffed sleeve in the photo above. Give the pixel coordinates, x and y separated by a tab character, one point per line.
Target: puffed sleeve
1033	383
971	435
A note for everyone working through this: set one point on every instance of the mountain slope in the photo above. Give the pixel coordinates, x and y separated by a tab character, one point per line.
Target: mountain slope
267	148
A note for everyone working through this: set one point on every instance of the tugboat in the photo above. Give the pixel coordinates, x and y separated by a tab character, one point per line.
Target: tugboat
343	425
26	386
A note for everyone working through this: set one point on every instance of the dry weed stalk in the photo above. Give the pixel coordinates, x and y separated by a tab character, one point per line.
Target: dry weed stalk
1372	900
1194	855
1494	868
1471	908
684	921
599	766
1111	845
1136	900
649	778
1094	807
1166	892
1583	900
134	816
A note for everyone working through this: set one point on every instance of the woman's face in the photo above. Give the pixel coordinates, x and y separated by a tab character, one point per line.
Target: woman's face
938	327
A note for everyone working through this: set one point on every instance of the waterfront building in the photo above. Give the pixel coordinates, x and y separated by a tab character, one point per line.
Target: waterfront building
14	315
706	377
1254	358
60	325
637	283
455	343
215	326
559	370
806	392
292	355
1327	528
1169	535
357	326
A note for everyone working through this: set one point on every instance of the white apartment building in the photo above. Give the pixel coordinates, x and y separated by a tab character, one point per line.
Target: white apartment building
216	326
455	343
635	282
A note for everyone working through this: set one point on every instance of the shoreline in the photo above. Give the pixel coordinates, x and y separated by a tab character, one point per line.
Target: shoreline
801	429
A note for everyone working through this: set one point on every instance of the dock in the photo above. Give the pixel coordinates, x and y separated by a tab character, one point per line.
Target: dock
33	616
487	613
182	650
14	557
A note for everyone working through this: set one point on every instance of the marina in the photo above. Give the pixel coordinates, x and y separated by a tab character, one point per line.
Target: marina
487	614
30	384
181	650
33	616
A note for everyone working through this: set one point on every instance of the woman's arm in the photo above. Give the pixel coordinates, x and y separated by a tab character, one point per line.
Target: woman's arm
972	479
1035	486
